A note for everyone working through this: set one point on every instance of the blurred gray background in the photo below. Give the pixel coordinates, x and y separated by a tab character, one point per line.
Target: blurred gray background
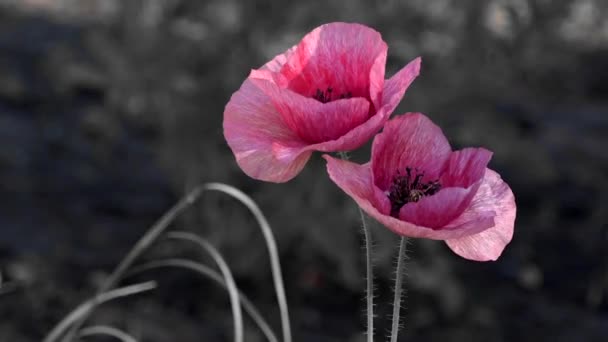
111	110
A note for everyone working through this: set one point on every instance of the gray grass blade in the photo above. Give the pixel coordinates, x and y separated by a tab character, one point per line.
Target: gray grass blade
208	272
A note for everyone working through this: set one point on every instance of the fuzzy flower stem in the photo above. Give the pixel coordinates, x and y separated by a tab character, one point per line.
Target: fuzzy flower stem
369	270
398	288
370	279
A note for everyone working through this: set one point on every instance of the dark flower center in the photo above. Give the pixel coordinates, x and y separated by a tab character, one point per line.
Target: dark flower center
409	187
327	95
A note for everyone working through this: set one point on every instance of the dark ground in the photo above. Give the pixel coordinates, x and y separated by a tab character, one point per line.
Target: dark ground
110	109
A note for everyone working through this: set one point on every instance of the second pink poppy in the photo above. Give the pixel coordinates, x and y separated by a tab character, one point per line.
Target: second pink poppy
418	187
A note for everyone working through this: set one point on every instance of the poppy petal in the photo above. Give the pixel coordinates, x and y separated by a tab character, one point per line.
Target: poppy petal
395	87
410	140
312	120
336	55
439	209
354	138
494	195
264	147
465	167
356	181
279	60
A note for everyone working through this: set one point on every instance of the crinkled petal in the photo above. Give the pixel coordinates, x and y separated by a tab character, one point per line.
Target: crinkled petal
355	137
376	81
465	167
278	61
438	210
395	87
460	180
264	147
336	55
392	94
494	195
410	140
312	120
353	178
356	181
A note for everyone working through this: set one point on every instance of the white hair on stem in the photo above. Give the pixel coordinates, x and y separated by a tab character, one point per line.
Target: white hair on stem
398	288
369	267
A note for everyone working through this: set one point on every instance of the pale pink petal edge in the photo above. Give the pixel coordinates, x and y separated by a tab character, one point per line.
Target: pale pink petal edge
263	146
395	87
490	243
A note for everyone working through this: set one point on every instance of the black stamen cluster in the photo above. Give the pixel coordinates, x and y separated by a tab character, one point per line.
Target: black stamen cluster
326	96
409	188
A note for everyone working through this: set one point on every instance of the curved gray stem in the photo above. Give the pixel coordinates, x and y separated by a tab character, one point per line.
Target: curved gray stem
206	271
85	308
108	331
142	245
275	265
227	275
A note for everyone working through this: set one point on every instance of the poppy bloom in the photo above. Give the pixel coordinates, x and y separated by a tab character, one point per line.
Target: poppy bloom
327	93
418	187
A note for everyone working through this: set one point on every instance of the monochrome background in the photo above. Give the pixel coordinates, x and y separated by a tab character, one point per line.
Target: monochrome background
111	110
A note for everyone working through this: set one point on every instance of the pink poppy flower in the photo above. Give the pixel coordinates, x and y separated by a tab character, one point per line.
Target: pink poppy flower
327	93
418	187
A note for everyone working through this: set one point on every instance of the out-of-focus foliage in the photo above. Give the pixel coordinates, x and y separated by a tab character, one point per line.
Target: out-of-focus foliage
110	109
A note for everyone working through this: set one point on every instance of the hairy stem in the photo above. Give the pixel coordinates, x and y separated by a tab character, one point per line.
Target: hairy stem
370	278
398	288
369	269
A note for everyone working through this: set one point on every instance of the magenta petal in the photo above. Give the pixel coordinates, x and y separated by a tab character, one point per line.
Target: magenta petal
337	55
356	181
395	87
353	178
354	138
438	210
277	62
465	167
376	81
312	120
410	140
494	195
264	147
